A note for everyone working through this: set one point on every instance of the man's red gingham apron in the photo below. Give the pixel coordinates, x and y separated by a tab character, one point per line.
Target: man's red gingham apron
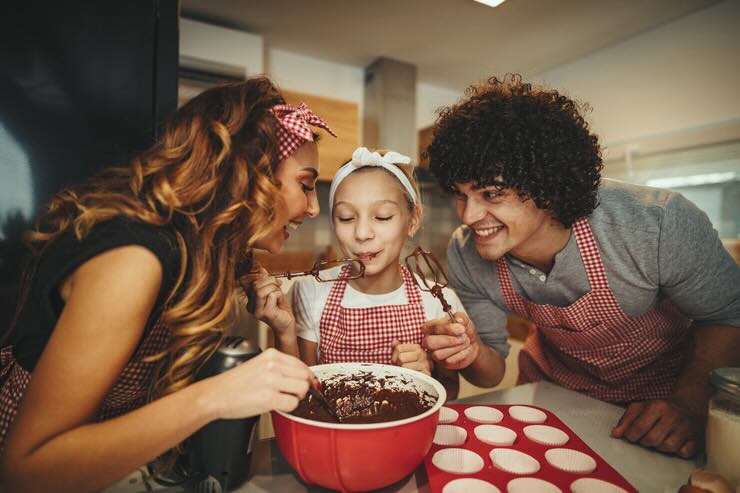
365	335
592	346
129	392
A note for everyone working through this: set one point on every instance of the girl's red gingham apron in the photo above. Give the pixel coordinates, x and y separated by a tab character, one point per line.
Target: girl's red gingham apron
365	335
592	346
129	392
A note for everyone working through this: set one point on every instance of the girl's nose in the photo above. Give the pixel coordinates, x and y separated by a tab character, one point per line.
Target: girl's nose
363	229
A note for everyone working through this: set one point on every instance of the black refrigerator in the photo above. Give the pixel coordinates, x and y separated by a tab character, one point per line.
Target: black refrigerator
83	85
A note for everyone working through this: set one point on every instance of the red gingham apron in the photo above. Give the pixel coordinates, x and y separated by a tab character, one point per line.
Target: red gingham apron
592	346
129	392
365	335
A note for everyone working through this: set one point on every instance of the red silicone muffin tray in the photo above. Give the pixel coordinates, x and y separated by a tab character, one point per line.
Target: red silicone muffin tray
499	478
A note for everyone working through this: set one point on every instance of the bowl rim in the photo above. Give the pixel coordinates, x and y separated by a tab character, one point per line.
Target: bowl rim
417	375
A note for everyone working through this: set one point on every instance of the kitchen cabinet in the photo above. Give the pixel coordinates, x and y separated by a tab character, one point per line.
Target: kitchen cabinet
425	138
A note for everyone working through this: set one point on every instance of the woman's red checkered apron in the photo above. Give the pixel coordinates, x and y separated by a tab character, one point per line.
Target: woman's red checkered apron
365	334
592	346
129	392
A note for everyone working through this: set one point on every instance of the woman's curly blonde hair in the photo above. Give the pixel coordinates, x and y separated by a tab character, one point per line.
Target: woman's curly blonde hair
210	179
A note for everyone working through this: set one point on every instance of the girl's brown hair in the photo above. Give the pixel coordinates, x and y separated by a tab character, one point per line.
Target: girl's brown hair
210	180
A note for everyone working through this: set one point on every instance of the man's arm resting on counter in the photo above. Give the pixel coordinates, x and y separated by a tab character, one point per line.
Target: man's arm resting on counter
676	424
710	347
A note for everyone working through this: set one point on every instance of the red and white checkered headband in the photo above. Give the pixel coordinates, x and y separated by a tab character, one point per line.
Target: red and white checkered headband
293	127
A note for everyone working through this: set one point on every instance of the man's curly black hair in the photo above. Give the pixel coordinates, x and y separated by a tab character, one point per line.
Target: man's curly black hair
532	140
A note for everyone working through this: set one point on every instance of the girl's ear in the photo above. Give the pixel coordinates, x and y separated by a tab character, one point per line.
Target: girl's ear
415	223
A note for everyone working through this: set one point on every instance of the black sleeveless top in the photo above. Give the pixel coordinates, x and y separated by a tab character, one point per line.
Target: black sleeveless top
44	304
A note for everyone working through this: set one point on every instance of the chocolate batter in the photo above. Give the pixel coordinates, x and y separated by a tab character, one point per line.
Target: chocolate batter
365	398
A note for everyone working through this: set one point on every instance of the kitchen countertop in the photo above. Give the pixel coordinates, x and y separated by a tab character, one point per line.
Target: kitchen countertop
591	419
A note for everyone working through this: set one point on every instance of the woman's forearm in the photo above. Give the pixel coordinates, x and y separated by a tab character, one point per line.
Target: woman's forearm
93	456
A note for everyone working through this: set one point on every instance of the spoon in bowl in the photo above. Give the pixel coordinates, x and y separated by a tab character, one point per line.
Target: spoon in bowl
319	396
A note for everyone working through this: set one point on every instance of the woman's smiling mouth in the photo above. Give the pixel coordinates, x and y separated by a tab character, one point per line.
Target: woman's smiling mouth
291	226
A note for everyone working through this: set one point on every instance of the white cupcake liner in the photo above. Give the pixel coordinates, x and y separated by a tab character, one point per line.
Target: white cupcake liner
589	485
513	461
495	435
450	435
546	435
447	415
457	461
484	414
527	414
469	485
570	460
531	485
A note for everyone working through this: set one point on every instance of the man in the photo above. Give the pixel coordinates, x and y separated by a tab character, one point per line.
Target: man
634	298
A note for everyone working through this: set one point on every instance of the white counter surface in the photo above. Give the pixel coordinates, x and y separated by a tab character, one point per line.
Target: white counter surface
591	419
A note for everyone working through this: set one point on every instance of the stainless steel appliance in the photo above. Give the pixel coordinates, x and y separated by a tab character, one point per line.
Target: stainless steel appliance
218	456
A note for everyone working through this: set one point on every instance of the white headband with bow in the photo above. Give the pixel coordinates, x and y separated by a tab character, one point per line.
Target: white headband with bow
361	158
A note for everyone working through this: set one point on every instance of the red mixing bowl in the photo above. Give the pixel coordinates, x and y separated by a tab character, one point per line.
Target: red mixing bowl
359	457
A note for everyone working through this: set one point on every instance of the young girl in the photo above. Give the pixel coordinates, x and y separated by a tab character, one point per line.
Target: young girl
134	277
375	207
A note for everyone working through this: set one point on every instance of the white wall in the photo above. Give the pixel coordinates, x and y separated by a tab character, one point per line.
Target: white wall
292	71
683	75
315	76
346	82
429	99
218	45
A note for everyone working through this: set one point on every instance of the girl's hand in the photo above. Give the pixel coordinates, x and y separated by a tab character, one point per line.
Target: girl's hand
410	356
272	380
267	302
452	345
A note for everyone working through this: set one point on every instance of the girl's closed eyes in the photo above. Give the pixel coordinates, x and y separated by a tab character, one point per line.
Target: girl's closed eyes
385	214
377	218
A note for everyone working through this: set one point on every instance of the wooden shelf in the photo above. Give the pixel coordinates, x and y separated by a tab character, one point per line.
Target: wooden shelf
425	138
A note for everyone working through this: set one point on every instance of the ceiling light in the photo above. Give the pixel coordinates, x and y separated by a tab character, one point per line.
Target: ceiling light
491	3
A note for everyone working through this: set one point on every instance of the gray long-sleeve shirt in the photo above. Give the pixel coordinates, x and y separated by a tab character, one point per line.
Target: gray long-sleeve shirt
655	245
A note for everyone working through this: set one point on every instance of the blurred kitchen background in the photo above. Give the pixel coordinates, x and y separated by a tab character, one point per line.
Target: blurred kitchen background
84	84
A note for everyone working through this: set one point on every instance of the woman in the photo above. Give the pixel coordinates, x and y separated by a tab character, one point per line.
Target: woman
134	276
